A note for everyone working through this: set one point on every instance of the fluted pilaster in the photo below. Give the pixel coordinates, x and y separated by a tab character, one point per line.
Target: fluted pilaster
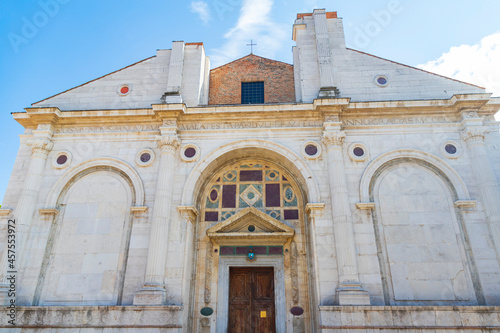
25	209
486	181
350	290
154	289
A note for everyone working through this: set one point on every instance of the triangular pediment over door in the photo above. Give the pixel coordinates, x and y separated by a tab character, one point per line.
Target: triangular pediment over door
250	226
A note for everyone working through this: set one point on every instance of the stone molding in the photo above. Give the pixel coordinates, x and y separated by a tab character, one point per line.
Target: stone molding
5	212
465	204
139	209
284	153
365	205
49	211
379	162
74	317
188	212
315	210
474	134
334	139
403	318
135	179
230	231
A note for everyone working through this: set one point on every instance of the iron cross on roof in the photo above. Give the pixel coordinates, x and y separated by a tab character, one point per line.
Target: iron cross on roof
251	46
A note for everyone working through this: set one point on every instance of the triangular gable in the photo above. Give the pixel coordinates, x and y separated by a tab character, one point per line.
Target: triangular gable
235	230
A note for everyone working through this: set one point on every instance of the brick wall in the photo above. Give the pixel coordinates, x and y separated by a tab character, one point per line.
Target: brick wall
225	81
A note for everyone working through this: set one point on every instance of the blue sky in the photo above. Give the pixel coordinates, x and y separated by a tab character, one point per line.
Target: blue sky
49	46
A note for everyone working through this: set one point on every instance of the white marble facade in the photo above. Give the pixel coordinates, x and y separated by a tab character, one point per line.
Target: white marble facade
399	208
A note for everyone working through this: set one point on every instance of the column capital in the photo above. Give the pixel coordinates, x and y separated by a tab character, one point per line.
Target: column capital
333	138
168	142
40	147
474	134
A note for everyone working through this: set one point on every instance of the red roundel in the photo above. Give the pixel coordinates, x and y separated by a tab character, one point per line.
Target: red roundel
124	90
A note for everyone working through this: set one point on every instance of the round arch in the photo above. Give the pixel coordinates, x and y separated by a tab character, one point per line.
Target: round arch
250	148
386	159
105	163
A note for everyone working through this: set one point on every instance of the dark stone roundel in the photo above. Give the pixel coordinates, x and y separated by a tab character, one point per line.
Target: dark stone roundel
297	311
145	157
311	150
450	149
358	151
62	159
189	152
382	80
251	228
206	311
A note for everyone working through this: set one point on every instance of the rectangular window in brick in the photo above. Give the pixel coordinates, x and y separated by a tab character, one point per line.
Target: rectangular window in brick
252	92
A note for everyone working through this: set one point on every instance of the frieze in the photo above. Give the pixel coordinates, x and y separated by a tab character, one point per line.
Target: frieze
398	121
250	124
108	129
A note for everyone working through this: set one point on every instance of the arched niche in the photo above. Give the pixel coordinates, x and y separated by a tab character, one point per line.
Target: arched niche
87	250
422	242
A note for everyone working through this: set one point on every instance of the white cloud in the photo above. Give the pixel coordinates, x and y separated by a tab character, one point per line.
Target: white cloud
253	23
478	64
201	8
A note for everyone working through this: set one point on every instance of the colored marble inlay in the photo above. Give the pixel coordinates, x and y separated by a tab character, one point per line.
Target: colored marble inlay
229	196
212	216
273	195
250	175
291	214
241	250
226	250
275	250
259	249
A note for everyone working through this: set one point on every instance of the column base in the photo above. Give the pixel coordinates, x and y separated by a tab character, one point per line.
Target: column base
352	293
151	294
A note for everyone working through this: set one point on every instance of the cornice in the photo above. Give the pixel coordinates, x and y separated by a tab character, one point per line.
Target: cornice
319	110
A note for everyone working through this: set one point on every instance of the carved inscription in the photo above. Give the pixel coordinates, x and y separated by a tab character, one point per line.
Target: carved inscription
398	121
108	129
250	124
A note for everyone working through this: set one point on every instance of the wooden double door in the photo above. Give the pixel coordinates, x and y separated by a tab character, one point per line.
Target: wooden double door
251	300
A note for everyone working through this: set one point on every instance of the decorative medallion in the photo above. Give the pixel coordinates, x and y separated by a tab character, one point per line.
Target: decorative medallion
250	195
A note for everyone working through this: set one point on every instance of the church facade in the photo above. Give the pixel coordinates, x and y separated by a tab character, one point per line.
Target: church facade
343	192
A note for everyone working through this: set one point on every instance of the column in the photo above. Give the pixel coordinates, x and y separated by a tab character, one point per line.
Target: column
474	136
350	291
154	289
24	212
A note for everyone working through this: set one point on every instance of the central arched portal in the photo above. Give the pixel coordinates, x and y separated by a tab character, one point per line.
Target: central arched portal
252	254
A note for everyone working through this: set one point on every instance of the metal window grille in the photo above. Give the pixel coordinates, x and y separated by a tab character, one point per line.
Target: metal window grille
252	92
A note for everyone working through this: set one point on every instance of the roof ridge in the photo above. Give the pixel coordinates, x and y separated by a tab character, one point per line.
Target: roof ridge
248	55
